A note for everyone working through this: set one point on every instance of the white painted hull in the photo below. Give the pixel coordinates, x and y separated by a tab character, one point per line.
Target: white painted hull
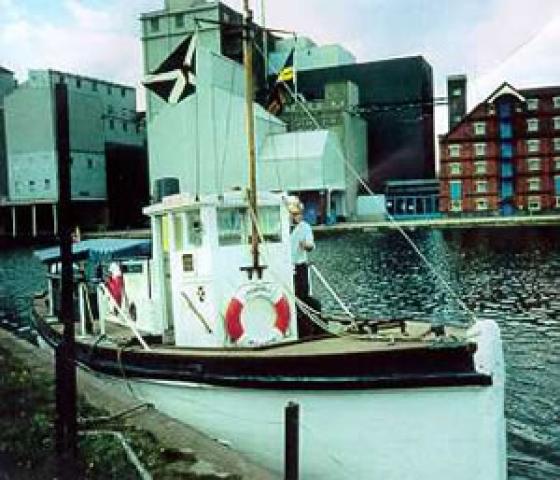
433	433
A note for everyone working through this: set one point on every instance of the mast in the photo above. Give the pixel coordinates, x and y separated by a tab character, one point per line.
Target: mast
248	62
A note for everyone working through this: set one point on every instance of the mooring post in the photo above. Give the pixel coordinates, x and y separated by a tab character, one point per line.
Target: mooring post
66	423
291	466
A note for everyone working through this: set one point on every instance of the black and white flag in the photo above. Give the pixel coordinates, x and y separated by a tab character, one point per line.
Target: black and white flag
175	78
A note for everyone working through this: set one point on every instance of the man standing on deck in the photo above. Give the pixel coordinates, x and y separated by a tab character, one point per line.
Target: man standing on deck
301	240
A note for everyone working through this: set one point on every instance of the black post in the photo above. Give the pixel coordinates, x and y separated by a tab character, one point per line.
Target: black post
291	465
66	424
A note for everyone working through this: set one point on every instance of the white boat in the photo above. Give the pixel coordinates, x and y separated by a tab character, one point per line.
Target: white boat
208	332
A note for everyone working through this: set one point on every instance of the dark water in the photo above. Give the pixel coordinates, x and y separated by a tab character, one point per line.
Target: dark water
512	276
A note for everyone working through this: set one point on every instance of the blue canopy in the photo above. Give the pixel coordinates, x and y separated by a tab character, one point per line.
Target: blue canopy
100	249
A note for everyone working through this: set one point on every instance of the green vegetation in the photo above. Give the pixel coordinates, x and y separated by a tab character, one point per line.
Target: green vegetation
27	434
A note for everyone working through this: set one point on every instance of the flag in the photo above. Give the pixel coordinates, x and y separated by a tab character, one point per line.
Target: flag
280	92
175	78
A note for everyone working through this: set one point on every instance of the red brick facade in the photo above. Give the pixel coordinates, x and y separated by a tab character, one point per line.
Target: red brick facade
505	151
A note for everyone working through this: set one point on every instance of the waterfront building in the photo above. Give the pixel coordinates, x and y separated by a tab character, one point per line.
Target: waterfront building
102	122
396	102
412	198
201	140
7	84
503	157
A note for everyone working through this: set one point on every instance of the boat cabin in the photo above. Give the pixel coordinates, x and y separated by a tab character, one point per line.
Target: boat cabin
208	292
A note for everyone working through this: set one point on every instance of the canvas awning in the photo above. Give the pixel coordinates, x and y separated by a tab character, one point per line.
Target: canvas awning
101	249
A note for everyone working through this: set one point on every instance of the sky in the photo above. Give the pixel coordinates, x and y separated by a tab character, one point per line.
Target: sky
491	41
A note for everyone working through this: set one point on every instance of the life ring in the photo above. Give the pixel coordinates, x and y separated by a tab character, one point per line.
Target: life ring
233	317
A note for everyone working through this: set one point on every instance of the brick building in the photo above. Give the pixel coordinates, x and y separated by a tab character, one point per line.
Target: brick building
503	157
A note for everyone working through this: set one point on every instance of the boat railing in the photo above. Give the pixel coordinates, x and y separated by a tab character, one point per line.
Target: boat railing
122	315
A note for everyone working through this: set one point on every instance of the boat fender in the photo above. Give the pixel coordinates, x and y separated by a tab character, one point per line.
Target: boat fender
234	326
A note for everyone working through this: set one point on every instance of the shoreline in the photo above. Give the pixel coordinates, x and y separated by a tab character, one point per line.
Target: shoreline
200	456
409	224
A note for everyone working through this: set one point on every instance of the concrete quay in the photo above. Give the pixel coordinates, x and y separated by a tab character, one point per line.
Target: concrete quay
443	223
384	225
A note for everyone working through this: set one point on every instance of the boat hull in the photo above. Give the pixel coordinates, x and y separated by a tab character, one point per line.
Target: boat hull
430	413
425	433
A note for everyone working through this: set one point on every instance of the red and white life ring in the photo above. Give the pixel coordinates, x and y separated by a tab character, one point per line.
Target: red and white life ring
234	324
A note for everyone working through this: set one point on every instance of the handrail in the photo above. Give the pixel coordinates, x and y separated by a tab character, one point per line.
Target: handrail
122	314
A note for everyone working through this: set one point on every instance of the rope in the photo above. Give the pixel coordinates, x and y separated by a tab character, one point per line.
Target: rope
370	192
312	314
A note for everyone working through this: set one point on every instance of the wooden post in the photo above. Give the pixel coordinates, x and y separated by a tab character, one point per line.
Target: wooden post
291	458
66	424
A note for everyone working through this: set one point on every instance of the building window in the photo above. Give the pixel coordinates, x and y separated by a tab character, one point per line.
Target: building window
179	20
556	163
532	125
557	202
506	150
78	83
479	149
532	104
154	24
482	204
111	124
47	184
110	109
506	170
534	203
455	168
556	144
556	123
109	90
533	145
455	190
506	130
123	92
457	92
479	168
534	184
481	186
94	86
456	206
556	101
557	185
454	151
31	185
124	126
90	163
480	128
533	164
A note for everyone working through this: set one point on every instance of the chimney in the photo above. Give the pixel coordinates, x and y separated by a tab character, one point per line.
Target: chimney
457	98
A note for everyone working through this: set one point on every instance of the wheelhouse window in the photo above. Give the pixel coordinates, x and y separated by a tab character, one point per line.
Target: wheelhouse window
194	228
232	226
270	223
